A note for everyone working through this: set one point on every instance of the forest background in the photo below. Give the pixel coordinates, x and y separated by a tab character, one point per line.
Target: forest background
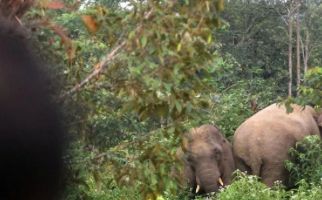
135	75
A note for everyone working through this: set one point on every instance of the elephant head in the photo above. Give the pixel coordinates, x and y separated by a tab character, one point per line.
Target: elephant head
208	159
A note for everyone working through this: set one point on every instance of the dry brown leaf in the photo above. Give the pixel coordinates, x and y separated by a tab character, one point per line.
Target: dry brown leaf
90	23
55	5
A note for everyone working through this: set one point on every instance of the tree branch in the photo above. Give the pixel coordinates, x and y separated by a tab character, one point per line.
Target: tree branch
99	67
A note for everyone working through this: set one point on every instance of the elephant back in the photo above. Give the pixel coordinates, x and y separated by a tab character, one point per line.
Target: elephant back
275	119
261	143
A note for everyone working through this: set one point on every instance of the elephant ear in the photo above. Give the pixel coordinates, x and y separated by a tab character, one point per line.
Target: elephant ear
227	164
319	120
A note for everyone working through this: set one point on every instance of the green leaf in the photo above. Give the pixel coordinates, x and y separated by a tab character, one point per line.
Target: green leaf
178	106
144	41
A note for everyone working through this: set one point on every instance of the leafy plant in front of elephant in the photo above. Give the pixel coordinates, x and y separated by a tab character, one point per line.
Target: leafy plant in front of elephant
249	187
165	62
306	191
306	161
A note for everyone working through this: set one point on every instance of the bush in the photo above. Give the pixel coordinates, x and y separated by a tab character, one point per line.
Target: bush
306	161
307	191
89	178
247	187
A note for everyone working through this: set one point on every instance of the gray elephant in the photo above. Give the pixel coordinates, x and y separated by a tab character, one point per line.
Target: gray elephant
262	142
208	159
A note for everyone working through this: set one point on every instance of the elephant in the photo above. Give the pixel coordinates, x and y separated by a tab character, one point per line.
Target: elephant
261	143
208	159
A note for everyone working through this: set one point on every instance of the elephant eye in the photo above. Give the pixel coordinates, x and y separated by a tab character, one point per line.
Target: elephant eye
217	153
189	158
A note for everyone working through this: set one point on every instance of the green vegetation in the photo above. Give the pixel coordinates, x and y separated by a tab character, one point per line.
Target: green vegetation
311	90
246	187
306	161
134	78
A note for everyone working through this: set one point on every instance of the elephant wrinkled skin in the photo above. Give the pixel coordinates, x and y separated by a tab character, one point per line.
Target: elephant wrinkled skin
208	159
262	142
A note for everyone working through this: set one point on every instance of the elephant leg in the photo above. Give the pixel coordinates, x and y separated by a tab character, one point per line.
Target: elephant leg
241	165
251	164
272	172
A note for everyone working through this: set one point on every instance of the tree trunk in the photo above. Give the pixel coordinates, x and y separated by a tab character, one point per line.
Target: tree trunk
290	71
306	50
298	56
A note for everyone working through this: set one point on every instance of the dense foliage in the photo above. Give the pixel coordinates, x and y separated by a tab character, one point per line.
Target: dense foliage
247	187
135	75
311	91
306	161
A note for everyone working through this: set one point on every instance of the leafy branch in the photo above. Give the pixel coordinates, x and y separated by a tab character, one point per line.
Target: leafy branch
102	65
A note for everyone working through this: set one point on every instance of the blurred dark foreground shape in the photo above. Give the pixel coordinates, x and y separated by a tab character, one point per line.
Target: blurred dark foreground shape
14	9
30	130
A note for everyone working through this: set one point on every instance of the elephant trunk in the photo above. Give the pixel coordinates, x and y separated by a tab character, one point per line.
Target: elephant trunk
208	179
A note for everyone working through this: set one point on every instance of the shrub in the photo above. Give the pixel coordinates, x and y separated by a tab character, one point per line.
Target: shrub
307	191
306	161
247	187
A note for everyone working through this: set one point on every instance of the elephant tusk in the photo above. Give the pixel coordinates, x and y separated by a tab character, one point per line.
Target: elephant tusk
220	181
197	189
